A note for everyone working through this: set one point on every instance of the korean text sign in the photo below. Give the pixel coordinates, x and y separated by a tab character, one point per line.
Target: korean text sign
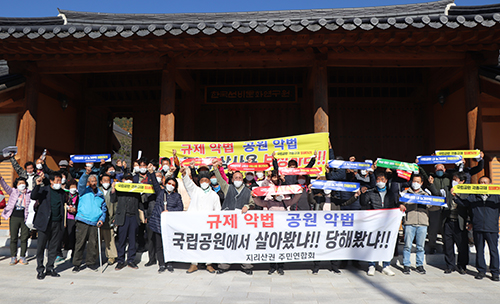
280	236
300	148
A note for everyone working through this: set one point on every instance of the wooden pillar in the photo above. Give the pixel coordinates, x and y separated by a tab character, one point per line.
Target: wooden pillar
473	107
167	105
320	96
27	126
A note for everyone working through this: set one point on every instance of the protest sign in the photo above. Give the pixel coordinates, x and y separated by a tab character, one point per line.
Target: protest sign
423	199
248	166
280	236
135	188
299	148
341	164
463	153
432	160
397	165
477	189
277	190
90	158
334	185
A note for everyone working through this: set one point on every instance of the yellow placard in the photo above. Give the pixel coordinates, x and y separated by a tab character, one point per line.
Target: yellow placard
300	148
135	188
463	153
477	189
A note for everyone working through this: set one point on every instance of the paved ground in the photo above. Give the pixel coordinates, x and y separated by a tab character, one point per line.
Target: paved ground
298	285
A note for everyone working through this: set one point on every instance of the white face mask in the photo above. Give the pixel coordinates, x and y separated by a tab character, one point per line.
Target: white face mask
105	186
72	190
128	181
170	188
136	169
415	186
327	191
165	168
381	185
249	177
363	172
301	181
204	186
454	183
158	179
63	180
143	170
237	184
39	166
56	186
279	198
31	174
21	187
259	175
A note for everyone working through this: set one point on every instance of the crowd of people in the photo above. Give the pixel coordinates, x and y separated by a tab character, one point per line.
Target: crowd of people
76	210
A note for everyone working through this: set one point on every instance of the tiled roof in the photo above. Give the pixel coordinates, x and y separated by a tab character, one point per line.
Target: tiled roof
435	15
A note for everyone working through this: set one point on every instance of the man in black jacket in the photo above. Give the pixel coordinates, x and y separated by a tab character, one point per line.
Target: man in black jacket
379	198
454	218
485	213
49	222
127	220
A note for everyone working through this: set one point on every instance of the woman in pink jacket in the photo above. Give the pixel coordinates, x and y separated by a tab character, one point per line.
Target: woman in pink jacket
17	211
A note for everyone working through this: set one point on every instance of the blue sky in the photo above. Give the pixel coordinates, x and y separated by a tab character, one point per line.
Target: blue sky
44	8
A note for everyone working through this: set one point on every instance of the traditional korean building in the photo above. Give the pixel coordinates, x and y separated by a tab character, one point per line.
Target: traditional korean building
393	81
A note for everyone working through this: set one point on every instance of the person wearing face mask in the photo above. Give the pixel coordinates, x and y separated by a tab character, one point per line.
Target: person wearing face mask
469	171
107	231
70	208
203	199
112	172
16	211
136	168
127	220
237	197
49	222
146	200
379	198
276	203
454	219
250	182
216	187
90	216
167	200
166	165
292	163
260	178
442	183
29	172
484	210
150	242
416	221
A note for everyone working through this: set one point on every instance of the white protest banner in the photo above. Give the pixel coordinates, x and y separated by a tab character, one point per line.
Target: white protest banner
280	236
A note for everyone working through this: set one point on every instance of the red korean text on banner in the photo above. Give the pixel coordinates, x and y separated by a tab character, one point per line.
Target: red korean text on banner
299	171
199	161
249	166
404	174
277	190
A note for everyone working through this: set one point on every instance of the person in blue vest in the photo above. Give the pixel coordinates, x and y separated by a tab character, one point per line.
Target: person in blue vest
89	218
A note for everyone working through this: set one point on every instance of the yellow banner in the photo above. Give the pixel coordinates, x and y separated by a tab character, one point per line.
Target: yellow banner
135	188
300	148
463	153
477	189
